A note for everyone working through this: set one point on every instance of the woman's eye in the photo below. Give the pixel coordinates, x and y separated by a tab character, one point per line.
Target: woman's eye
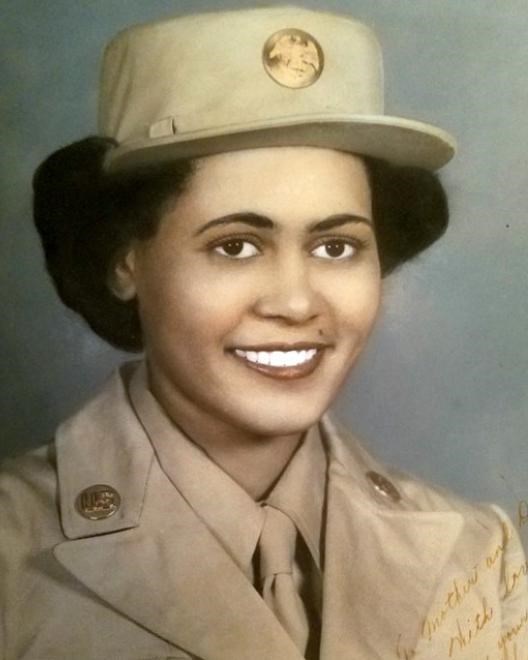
236	248
334	249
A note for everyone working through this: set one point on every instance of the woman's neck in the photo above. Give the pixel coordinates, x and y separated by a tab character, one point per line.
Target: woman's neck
254	461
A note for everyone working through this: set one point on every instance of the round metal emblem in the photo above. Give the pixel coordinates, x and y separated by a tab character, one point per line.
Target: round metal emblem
293	58
98	502
384	486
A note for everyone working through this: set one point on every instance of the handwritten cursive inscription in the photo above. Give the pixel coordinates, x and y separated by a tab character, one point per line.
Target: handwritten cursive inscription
404	653
522	513
512	634
514	578
470	629
464	611
492	558
461	587
454	598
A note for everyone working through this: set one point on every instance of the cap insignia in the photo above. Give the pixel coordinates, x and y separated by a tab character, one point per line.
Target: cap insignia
293	58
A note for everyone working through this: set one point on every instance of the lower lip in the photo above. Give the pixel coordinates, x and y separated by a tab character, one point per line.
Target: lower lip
284	373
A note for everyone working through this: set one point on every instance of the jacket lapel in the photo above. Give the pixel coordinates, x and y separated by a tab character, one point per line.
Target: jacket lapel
173	578
155	561
383	561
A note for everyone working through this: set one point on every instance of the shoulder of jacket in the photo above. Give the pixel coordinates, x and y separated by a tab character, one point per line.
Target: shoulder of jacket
419	495
28	490
482	519
33	470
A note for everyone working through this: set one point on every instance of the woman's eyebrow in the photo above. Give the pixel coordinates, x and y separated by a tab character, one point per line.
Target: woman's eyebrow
263	222
252	219
338	221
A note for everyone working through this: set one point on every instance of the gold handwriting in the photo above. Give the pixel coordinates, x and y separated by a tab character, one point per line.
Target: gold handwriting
471	629
512	579
460	591
463	629
499	550
512	633
522	513
402	652
454	598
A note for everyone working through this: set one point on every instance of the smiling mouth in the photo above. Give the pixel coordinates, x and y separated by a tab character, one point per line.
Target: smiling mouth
285	363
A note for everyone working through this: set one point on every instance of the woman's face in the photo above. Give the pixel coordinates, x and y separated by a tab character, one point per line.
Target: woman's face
260	288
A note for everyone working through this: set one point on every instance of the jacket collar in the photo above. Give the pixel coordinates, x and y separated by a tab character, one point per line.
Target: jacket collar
103	444
228	511
186	588
394	555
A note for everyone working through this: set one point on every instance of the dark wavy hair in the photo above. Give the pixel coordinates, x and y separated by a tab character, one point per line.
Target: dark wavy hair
86	218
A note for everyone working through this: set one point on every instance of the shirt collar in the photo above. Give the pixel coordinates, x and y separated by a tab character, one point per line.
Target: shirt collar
300	492
226	508
229	512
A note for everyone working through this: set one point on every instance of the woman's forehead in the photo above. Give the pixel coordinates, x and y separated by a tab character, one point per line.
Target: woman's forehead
269	157
280	181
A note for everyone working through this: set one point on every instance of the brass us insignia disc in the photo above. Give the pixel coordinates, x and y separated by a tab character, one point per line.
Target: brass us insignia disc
98	502
293	58
384	486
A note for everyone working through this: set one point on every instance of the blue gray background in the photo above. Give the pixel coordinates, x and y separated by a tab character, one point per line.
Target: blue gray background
442	389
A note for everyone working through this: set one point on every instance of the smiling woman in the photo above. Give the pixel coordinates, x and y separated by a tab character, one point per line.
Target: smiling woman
281	289
207	507
221	283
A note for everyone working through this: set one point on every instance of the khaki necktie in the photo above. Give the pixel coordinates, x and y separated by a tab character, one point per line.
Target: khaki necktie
278	589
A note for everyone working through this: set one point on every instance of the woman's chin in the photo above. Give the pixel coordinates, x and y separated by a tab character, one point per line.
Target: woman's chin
275	421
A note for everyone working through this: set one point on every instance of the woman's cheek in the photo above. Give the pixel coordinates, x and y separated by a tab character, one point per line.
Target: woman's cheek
211	305
356	298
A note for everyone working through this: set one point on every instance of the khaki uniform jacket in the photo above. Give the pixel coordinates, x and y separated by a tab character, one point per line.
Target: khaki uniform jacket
409	571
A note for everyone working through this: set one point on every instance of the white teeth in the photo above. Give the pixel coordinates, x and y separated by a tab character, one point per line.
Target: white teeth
291	358
263	357
278	358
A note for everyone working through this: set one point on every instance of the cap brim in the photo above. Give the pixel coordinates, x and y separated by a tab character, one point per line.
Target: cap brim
395	139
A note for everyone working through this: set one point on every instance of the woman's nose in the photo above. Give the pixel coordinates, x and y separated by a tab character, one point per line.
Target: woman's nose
288	294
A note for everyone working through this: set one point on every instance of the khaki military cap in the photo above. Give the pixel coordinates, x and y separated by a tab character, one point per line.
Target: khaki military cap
201	84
